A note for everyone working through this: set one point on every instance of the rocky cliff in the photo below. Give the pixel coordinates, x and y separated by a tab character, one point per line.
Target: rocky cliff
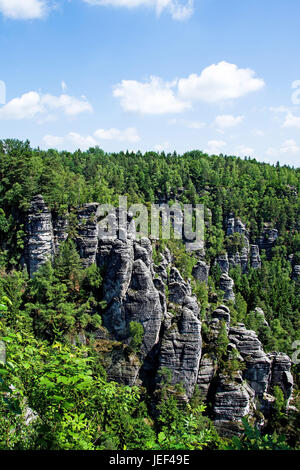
156	296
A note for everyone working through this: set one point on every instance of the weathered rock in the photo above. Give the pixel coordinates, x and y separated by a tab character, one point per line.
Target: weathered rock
181	350
281	373
263	371
234	259
267	240
258	365
142	304
60	230
233	400
201	271
121	366
235	225
87	233
40	237
178	288
296	273
261	314
255	259
227	285
117	259
223	262
206	373
244	259
222	313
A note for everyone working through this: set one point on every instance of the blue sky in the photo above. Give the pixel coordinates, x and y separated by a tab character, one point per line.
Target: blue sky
216	75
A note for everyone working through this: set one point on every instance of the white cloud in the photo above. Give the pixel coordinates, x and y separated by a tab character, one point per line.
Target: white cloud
292	121
23	9
25	107
279	109
128	135
68	104
74	140
53	141
219	82
71	141
288	147
153	97
225	121
215	146
31	104
179	9
243	150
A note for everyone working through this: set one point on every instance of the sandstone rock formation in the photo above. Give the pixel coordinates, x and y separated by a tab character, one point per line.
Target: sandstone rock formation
40	237
136	289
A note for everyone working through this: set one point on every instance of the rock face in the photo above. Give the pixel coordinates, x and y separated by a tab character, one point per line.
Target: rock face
235	225
181	350
201	271
222	313
296	273
258	365
142	304
281	374
40	237
87	233
233	401
267	240
156	296
227	285
181	343
117	259
206	373
223	262
239	258
263	371
255	260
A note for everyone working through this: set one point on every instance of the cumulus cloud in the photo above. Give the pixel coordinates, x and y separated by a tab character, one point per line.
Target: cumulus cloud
179	9
71	141
74	140
225	121
216	83
68	104
288	147
152	97
292	121
128	135
215	146
219	82
23	9
32	104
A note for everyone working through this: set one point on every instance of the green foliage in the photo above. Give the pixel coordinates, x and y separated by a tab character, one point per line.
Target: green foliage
252	439
136	331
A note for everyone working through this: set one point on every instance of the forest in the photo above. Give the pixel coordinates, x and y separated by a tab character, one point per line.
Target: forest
55	390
